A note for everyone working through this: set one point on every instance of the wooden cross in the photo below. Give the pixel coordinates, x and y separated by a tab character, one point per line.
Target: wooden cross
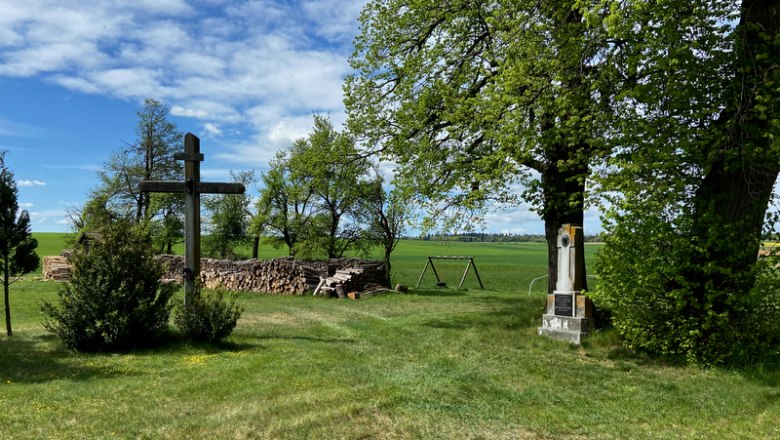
192	188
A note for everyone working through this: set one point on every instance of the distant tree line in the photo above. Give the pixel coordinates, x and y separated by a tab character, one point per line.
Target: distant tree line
492	237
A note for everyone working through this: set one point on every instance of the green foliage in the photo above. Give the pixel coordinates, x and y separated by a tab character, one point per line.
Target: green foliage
208	316
389	212
229	220
167	227
17	246
663	300
470	99
315	195
691	178
95	215
149	158
114	300
466	96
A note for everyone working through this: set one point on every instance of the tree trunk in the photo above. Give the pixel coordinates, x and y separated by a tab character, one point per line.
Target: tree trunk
386	275
730	204
8	328
255	247
730	208
564	201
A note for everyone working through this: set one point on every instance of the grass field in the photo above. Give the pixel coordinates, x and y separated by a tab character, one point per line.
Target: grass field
433	363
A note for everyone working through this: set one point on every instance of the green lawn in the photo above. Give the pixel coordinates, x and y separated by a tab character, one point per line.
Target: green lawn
433	363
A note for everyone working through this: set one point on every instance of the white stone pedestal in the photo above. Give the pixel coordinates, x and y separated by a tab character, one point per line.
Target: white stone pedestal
568	317
569	314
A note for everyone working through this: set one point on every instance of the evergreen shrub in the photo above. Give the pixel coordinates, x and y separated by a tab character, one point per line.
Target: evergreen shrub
114	300
208	316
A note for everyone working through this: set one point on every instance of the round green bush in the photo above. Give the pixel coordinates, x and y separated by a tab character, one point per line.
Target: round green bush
207	316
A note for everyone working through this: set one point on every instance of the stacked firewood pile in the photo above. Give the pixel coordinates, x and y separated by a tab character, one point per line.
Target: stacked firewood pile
56	268
373	271
342	283
281	275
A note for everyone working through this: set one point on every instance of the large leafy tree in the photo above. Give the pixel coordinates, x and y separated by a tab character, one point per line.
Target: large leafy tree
17	247
283	207
468	98
696	161
149	158
314	193
167	226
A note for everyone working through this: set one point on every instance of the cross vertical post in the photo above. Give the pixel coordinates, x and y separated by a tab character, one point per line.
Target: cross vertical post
192	187
192	158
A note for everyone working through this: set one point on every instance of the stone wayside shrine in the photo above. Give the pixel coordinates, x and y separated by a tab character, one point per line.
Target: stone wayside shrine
569	314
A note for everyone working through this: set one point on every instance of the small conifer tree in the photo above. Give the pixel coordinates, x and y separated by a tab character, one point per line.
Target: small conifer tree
17	247
114	300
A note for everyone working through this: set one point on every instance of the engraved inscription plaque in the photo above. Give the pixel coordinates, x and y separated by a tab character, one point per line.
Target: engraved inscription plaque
564	305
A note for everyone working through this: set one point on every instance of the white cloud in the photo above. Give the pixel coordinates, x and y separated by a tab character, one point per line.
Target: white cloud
42	216
288	130
83	167
30	183
253	154
336	19
261	67
26	205
212	129
188	112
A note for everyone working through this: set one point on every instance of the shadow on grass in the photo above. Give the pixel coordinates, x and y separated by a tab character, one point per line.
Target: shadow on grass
309	339
176	342
765	371
495	313
26	360
436	292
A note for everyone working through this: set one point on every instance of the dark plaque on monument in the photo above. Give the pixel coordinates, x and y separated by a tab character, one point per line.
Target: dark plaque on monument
564	304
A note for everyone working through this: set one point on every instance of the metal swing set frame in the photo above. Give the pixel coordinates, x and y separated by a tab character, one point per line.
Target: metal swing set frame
439	282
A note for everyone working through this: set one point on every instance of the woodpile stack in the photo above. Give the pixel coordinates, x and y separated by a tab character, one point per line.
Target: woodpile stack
281	275
56	268
343	282
373	270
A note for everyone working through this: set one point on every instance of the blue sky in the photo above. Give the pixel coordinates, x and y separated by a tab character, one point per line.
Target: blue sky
245	76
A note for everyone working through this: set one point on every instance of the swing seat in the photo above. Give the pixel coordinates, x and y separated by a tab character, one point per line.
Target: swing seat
441	284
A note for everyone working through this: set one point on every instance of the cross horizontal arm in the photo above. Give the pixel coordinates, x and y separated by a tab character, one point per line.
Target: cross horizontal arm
219	188
195	157
199	187
159	186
